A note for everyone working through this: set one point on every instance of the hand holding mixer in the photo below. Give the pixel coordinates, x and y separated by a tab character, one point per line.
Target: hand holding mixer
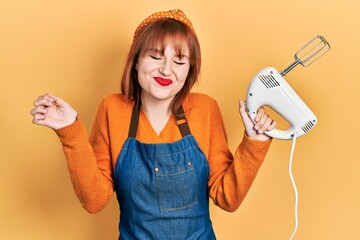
269	88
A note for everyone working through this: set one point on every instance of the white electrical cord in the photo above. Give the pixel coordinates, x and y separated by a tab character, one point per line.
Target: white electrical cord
294	185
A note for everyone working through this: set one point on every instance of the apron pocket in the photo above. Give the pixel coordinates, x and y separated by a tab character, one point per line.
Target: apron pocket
177	191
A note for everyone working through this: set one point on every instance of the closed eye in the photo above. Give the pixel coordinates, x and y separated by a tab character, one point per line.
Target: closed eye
155	57
181	59
179	63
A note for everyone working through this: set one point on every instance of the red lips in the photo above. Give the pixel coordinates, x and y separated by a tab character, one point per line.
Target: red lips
162	81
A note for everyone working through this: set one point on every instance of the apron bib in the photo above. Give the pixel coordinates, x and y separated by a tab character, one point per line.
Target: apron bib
162	188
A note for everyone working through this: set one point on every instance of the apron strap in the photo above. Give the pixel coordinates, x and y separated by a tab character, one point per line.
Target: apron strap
134	120
180	121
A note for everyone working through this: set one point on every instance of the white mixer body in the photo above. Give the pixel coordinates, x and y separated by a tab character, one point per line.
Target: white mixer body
269	88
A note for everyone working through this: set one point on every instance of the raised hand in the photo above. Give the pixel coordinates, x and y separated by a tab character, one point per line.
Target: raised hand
53	112
263	123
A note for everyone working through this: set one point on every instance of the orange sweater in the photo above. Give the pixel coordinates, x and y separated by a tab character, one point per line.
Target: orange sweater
91	163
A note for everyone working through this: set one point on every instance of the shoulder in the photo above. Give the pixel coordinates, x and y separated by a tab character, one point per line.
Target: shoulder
199	99
115	106
204	118
199	96
115	98
116	101
201	109
200	102
114	114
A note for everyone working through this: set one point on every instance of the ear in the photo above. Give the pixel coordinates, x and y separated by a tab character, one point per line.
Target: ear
136	66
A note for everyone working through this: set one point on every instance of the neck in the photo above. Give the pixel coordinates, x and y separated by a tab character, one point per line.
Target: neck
157	111
156	107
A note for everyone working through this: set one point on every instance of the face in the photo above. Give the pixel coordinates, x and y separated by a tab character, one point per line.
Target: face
162	72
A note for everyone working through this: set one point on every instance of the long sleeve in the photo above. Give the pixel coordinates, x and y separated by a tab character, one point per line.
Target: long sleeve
89	163
231	176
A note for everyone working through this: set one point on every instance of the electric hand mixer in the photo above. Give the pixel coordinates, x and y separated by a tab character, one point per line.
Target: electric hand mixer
269	88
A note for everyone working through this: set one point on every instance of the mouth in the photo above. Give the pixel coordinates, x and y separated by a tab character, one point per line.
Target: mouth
162	81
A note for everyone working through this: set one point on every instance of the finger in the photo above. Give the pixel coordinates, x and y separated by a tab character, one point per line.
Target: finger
46	96
39	122
260	114
242	108
245	116
39	119
37	110
36	102
47	100
41	96
33	112
57	100
261	119
266	123
43	101
265	126
272	125
260	124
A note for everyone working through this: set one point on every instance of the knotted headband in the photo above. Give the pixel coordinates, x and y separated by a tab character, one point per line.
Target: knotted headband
176	14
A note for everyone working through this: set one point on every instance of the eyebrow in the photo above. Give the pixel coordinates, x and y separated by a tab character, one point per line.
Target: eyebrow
161	51
155	50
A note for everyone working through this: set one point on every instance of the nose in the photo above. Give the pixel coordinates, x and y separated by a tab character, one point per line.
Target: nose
165	68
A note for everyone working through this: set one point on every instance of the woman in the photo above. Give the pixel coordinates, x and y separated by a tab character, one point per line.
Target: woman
162	149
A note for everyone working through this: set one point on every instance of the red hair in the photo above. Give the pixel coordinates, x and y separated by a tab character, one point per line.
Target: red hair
157	34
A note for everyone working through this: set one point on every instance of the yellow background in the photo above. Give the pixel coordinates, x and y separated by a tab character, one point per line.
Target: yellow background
76	49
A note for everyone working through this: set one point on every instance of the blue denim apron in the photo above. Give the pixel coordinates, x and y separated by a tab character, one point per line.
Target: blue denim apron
162	188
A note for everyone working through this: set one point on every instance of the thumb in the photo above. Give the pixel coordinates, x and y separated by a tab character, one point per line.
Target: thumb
242	110
57	100
248	123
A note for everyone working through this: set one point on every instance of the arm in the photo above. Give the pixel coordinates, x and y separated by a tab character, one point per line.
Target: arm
90	175
232	176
